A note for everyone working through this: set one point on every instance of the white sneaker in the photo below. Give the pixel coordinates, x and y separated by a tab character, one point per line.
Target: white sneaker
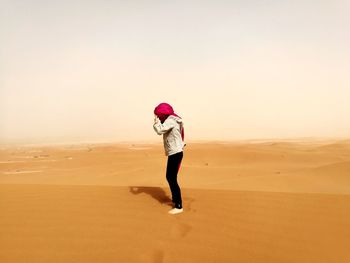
175	211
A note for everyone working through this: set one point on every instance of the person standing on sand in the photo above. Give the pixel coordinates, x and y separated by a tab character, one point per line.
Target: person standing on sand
170	125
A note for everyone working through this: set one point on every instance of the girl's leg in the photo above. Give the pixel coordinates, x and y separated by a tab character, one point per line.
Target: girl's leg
173	166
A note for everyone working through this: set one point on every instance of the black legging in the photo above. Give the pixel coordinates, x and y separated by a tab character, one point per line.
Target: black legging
172	169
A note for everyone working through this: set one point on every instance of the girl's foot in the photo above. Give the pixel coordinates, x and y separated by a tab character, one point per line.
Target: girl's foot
175	211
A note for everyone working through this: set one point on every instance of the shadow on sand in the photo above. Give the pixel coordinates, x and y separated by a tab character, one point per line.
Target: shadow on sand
156	193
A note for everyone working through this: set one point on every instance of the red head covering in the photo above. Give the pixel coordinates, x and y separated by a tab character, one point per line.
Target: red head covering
163	111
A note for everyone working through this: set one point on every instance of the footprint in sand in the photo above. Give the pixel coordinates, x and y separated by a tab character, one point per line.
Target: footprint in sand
155	256
158	256
189	202
180	230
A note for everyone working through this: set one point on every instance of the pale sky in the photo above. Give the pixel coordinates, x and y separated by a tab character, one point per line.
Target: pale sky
95	70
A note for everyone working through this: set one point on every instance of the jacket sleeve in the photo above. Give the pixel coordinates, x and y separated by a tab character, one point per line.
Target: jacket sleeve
160	128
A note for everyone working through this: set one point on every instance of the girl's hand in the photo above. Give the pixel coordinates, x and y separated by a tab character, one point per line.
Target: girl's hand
155	119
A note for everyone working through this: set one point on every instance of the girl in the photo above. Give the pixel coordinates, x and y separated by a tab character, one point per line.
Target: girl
170	125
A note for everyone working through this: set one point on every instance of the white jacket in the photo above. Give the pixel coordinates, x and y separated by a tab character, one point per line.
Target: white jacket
171	130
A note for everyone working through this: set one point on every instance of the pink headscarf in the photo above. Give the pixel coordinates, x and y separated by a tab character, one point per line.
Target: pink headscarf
163	111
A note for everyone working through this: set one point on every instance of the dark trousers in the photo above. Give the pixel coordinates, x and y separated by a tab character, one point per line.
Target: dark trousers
172	169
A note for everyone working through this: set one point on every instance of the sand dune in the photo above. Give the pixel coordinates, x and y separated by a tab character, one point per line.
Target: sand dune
244	202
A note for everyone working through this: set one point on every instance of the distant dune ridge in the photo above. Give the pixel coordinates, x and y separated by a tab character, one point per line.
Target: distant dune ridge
251	201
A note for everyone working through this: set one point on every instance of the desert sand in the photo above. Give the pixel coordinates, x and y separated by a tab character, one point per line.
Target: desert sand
251	201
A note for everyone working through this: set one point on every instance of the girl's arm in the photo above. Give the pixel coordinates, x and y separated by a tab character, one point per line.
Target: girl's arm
163	128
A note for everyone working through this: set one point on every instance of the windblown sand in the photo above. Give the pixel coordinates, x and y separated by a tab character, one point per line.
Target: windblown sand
243	202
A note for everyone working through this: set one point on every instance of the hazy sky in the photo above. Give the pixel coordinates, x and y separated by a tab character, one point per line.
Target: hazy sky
95	70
